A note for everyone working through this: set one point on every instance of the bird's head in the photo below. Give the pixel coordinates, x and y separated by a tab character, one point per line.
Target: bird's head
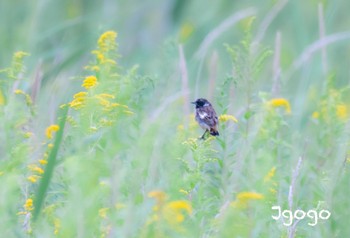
201	102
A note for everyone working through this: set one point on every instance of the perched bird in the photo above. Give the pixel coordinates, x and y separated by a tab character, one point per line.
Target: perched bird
206	117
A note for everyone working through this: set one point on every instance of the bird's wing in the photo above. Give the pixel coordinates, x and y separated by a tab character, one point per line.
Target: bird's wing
202	114
208	115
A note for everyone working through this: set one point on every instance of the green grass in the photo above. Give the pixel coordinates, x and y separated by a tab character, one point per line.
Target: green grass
126	160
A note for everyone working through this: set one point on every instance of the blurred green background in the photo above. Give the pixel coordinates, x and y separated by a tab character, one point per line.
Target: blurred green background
61	33
240	70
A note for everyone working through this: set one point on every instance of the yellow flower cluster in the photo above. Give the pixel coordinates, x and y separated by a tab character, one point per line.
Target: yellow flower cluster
280	102
226	117
57	225
158	195
37	170
105	44
191	142
89	82
332	107
2	98
26	96
97	99
270	174
341	111
49	130
103	99
268	179
19	55
78	100
243	198
28	205
103	212
172	212
17	64
33	178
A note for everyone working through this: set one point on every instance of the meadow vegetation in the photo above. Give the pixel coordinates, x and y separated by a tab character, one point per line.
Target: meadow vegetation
104	142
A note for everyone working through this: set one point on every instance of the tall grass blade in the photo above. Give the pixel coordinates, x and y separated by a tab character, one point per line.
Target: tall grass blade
45	181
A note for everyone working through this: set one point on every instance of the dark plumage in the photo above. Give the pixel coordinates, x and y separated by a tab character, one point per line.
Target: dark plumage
206	117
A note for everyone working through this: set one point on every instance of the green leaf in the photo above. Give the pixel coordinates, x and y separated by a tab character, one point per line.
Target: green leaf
45	181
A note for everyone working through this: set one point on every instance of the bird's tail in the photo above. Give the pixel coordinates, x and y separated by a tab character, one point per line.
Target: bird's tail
214	132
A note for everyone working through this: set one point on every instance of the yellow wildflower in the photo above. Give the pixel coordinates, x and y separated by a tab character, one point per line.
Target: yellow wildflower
20	55
79	100
36	169
28	206
89	82
19	91
27	96
42	161
270	174
103	212
33	178
280	102
243	198
315	115
102	98
342	111
50	130
174	211
158	195
2	98
80	95
57	225
99	56
106	41
192	143
226	117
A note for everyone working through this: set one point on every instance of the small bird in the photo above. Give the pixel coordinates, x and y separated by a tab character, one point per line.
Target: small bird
206	117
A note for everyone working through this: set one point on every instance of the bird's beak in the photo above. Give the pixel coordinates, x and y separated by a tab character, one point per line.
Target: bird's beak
193	102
